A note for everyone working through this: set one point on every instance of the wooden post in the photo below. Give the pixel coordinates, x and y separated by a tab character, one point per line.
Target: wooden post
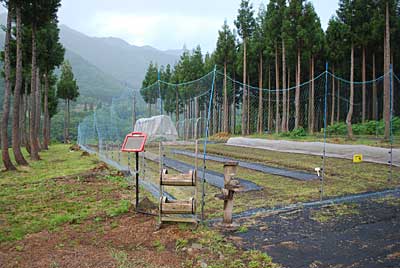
230	169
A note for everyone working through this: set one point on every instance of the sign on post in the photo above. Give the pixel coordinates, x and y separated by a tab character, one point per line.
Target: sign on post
134	142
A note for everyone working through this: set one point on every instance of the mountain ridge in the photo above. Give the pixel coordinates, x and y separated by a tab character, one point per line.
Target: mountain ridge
115	56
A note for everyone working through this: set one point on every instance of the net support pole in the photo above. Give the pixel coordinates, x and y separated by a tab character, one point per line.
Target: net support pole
325	124
205	145
391	123
137	180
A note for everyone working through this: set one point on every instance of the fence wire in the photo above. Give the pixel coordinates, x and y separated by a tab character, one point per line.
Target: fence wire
315	128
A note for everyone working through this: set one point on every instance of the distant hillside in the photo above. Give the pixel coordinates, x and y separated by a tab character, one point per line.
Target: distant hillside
116	57
104	67
93	82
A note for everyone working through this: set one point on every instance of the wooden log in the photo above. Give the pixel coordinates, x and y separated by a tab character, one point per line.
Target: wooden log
178	219
188	179
177	206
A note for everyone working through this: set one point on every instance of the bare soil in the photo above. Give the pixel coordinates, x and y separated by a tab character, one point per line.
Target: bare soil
126	241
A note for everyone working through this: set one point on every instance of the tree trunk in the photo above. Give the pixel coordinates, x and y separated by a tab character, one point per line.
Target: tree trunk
288	101
333	97
49	132
277	115
312	106
364	98
38	110
28	119
260	124
133	111
248	106
16	142
8	165
68	120
65	120
374	90
386	91
338	103
177	104
149	108
284	128
214	112
269	100
32	137
350	112
234	108
226	114
46	112
244	103
297	96
22	117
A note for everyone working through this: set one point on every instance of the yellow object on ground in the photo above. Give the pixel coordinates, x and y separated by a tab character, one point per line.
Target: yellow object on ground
357	158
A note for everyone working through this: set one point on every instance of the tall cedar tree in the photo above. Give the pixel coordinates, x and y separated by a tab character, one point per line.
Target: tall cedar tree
225	55
7	94
245	24
16	143
37	14
346	15
51	55
68	90
274	20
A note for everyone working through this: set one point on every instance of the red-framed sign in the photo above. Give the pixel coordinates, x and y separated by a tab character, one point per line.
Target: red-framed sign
134	142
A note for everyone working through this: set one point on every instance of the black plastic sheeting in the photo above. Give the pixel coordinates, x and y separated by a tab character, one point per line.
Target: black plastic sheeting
214	178
316	204
292	174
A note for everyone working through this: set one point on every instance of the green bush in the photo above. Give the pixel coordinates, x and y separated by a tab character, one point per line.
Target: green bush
296	133
371	127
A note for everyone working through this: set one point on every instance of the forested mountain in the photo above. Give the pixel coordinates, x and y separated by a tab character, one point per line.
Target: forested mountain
104	75
92	81
114	56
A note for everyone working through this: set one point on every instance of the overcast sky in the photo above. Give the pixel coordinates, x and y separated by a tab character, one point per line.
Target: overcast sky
160	23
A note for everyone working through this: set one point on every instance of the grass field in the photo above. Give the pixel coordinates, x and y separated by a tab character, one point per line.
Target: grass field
342	177
71	210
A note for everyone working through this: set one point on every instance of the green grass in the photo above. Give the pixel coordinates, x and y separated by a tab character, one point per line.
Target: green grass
226	254
31	201
334	212
342	177
58	161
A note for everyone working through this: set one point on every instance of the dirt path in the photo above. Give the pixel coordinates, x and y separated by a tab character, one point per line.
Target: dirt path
293	174
364	234
370	153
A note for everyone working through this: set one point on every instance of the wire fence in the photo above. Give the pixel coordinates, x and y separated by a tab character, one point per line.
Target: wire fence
324	138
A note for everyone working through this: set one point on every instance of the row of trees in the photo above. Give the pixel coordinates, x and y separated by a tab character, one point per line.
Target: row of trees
32	52
283	44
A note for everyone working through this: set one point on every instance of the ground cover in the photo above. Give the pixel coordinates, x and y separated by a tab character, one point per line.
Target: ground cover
70	210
